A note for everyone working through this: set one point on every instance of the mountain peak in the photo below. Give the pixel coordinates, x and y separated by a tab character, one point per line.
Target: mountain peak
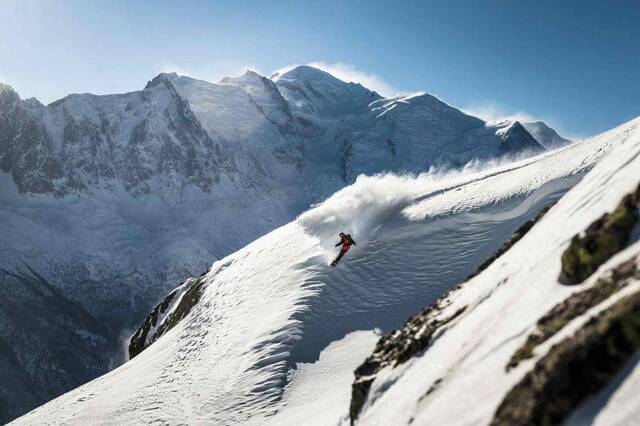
545	135
249	76
163	77
308	73
516	138
5	87
316	91
8	94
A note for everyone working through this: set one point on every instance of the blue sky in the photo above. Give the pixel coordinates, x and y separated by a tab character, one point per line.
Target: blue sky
575	64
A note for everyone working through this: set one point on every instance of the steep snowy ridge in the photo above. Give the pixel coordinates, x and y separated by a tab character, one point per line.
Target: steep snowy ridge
318	93
275	304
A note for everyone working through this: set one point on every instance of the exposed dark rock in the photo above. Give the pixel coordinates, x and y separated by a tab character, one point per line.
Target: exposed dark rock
26	150
162	78
517	138
574	306
396	348
346	147
392	147
432	389
307	128
601	240
157	323
575	368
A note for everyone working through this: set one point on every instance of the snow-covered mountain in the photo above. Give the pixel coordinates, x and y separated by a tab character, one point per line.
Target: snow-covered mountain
271	334
545	135
108	201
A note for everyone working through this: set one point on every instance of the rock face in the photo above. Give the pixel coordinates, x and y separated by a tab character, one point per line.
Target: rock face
26	150
144	140
396	348
167	314
601	240
577	367
515	138
114	199
572	307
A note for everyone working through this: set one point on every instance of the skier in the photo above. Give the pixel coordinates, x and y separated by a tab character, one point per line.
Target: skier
346	242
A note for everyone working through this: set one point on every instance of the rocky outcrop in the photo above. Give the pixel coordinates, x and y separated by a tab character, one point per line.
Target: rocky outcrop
574	306
26	150
515	138
396	348
600	241
575	368
167	314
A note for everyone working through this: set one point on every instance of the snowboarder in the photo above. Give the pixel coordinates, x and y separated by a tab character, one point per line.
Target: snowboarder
346	242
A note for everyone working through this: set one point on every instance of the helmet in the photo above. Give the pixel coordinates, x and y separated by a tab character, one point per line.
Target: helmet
341	234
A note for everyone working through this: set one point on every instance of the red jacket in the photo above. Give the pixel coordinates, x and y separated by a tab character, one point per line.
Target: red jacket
346	242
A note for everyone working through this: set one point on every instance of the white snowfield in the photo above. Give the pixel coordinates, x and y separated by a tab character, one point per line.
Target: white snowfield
277	333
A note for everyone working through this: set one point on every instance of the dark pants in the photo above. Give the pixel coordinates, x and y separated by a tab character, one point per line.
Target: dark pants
342	252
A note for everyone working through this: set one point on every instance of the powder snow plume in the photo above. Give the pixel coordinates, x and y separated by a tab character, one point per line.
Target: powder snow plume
360	208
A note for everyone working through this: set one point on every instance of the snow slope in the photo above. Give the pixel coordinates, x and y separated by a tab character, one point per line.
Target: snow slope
466	363
274	318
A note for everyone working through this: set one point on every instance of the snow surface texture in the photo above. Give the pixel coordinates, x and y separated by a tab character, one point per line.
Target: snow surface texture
273	315
113	200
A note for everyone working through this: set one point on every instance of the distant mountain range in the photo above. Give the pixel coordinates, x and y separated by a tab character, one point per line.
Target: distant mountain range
251	130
